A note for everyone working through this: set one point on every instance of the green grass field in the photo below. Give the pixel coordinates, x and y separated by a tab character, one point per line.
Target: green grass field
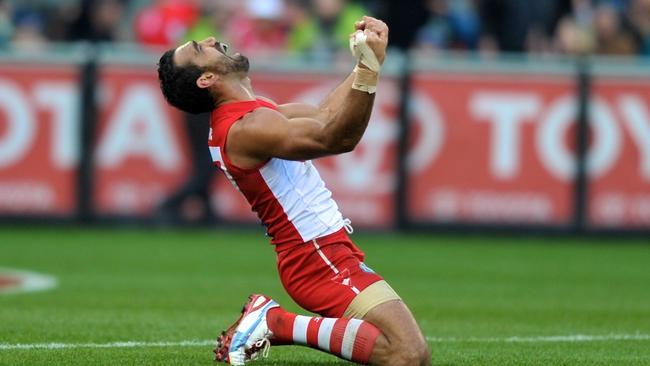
500	300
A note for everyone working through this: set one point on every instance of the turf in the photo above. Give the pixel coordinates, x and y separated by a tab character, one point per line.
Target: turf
469	293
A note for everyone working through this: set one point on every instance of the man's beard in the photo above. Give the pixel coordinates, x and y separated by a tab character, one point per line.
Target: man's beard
237	64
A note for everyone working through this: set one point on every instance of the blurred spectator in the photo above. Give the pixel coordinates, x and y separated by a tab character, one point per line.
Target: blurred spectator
96	21
583	12
213	20
60	21
595	28
518	25
611	36
297	16
6	27
638	15
620	5
321	27
328	28
165	22
452	24
28	30
573	34
571	38
260	28
404	18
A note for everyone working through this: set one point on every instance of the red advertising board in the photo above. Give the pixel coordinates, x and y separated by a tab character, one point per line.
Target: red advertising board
141	153
619	169
39	108
141	146
484	149
362	181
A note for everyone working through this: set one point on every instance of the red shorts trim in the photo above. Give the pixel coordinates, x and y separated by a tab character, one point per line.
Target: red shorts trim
324	275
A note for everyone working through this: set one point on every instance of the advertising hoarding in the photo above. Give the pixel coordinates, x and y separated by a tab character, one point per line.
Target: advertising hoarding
489	149
39	139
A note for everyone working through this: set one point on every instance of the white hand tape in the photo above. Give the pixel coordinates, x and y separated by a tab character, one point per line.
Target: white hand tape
362	52
365	80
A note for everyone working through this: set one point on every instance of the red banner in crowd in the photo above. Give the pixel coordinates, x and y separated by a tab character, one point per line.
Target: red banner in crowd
486	149
362	181
39	129
619	194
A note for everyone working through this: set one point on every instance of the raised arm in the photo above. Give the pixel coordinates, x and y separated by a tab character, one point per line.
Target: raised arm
300	132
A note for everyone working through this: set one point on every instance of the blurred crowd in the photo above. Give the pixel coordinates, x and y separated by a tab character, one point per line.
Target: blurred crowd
610	27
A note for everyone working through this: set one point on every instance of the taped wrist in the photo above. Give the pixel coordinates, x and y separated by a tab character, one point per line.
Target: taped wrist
362	52
365	80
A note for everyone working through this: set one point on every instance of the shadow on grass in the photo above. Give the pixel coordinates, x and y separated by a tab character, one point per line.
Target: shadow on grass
302	363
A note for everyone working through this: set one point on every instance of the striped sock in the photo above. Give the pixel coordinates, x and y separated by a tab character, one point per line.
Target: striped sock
350	339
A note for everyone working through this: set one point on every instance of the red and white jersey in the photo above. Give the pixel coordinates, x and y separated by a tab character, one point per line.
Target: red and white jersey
289	197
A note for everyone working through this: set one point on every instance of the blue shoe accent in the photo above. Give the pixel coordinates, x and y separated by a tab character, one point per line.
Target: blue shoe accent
239	339
365	268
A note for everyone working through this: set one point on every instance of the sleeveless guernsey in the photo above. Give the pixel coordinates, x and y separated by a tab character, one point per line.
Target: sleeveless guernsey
289	197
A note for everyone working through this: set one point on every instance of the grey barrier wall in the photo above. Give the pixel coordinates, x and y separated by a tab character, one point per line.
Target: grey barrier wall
515	143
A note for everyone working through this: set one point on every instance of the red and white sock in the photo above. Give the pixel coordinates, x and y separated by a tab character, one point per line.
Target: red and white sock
350	339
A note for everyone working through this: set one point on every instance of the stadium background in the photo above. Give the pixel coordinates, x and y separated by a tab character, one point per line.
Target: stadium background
524	118
481	120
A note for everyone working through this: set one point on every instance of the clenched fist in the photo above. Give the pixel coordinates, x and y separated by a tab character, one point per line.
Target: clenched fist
376	33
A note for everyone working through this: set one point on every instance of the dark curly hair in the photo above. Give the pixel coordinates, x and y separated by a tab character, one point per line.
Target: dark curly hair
178	85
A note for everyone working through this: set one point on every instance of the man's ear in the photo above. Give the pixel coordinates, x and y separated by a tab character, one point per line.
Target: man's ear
206	79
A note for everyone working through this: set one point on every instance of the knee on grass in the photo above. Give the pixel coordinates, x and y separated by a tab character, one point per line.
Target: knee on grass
413	352
413	355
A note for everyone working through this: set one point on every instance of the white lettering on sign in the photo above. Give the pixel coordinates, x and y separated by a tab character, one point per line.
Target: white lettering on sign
20	127
63	100
450	204
637	118
613	208
139	127
128	197
431	137
506	112
552	147
24	195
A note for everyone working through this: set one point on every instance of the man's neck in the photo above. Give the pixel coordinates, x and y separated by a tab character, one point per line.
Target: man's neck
238	89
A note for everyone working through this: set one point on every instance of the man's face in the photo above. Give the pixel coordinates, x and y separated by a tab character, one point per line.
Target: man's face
211	55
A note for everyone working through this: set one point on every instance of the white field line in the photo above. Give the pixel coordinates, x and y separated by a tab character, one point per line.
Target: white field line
541	339
126	344
203	343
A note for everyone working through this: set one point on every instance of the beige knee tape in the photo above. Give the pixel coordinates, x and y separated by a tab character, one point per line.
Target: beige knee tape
373	295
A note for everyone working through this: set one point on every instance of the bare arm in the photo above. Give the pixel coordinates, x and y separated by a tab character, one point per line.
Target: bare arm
300	132
324	111
333	101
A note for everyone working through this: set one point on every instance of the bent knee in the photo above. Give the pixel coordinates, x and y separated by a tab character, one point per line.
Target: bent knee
402	342
414	352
